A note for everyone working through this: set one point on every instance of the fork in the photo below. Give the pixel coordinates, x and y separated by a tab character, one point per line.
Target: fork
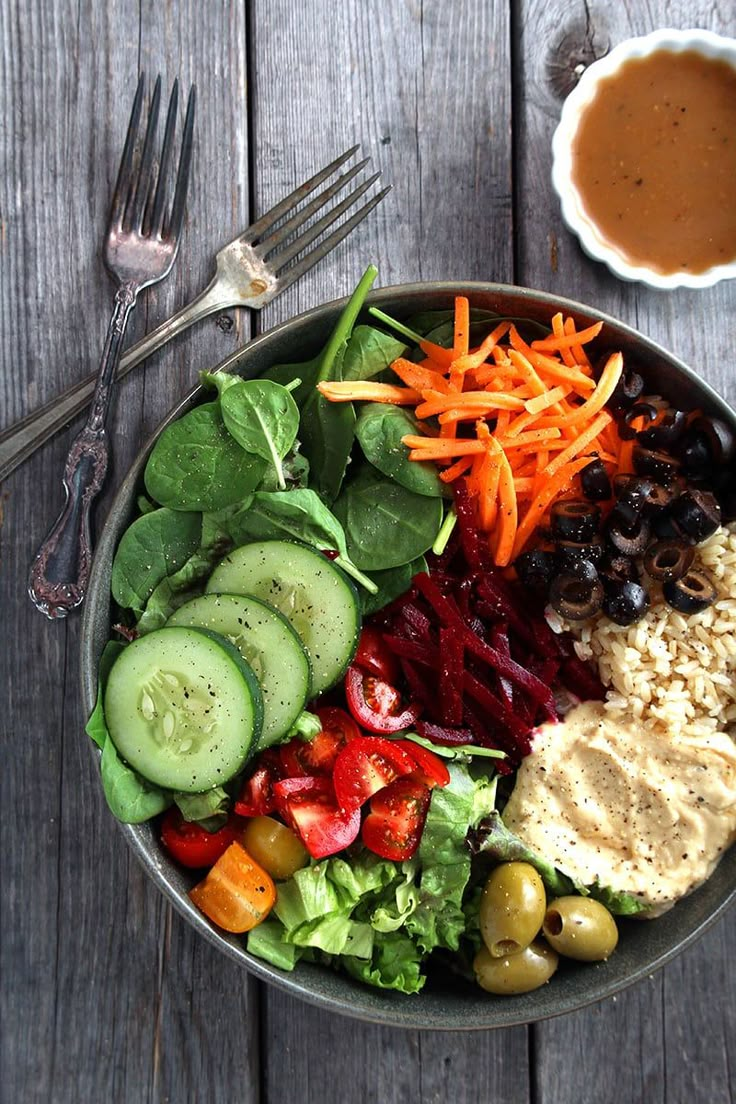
250	272
140	248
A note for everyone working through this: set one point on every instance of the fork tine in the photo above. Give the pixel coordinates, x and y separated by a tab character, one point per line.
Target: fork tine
284	206
176	217
122	185
306	212
157	212
316	229
330	242
134	215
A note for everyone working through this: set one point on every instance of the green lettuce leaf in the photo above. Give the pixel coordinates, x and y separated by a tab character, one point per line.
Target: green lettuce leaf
396	964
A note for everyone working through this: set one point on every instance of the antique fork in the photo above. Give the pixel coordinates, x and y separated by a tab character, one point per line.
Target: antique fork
251	271
140	248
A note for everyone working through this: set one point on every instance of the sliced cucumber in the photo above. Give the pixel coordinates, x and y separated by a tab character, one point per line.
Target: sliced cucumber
315	596
266	640
183	708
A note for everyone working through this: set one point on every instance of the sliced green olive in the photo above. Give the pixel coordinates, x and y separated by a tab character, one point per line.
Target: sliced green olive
511	908
517	973
581	928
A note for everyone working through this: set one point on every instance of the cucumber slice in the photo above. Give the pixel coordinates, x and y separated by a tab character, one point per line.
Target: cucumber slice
316	597
183	708
268	643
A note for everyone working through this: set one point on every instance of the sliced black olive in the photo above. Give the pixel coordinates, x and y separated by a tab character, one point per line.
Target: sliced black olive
575	598
626	516
595	482
631	543
666	433
628	389
721	438
659	466
664	527
574	519
727	502
570	554
696	513
626	431
615	569
626	485
656	499
691	593
626	604
573	561
668	559
536	569
695	453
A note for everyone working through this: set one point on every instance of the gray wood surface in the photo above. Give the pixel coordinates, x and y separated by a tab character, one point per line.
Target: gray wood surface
104	993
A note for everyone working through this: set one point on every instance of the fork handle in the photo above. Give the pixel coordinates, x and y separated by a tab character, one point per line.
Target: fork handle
60	571
19	441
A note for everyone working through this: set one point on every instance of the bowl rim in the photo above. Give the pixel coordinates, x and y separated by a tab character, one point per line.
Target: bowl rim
393	1009
710	45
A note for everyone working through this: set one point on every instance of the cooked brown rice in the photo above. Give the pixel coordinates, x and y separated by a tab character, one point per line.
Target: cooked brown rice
672	670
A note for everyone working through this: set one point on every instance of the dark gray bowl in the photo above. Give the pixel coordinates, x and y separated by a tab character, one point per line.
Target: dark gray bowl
445	1003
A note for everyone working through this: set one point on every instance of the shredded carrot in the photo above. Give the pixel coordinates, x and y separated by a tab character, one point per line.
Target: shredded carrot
517	421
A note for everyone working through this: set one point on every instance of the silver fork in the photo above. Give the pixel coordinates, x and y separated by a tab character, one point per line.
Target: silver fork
251	270
140	248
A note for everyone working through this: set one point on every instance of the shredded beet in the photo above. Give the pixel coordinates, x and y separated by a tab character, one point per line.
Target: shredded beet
478	657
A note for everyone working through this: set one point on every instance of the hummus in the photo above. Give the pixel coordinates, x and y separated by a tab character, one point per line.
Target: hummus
626	804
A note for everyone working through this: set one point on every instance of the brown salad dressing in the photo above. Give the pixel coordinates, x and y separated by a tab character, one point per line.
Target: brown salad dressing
654	161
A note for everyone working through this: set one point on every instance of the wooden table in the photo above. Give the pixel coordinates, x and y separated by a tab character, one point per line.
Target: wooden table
106	994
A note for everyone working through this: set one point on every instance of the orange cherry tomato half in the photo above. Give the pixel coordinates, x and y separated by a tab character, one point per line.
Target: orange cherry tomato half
237	894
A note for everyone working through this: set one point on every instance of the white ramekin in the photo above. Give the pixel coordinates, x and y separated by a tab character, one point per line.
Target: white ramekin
595	245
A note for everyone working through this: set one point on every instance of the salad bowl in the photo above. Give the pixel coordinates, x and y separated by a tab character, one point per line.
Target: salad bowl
447	1002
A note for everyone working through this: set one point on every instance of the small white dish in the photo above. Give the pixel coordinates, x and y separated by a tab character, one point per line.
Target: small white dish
598	247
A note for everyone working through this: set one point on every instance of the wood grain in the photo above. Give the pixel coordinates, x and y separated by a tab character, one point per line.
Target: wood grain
658	1041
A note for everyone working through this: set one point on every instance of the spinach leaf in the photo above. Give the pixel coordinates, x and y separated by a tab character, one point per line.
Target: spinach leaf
154	546
379	430
297	515
391	584
385	524
369	352
263	418
296	472
131	798
96	727
197	465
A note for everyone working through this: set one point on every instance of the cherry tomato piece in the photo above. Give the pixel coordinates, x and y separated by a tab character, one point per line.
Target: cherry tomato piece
236	894
256	797
430	768
190	844
317	756
375	704
394	825
365	766
309	806
375	657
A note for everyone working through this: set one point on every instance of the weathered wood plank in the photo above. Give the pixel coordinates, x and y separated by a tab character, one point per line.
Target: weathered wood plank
669	1046
402	79
106	994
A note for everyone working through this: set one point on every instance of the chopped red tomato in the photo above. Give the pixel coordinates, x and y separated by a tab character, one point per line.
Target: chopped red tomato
256	797
375	657
317	756
365	766
395	822
237	893
376	704
310	807
190	844
430	768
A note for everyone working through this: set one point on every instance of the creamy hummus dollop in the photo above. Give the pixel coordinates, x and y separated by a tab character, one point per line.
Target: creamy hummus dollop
626	804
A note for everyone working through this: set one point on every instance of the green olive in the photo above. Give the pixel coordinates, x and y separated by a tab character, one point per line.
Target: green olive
511	908
579	927
516	973
274	847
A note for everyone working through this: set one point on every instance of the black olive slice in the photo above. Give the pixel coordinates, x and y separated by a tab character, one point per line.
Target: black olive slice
626	604
631	543
695	453
659	466
570	554
721	438
692	593
666	433
595	482
656	499
574	519
615	569
627	390
668	559
575	598
626	430
536	569
696	513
